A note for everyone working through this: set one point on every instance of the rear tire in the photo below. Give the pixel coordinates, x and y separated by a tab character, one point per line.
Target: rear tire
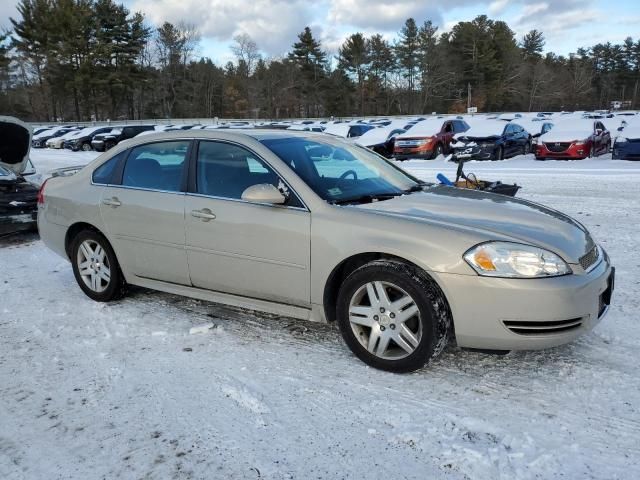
403	327
86	147
96	267
526	150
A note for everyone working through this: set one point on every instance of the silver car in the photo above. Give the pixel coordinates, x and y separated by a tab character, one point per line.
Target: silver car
312	227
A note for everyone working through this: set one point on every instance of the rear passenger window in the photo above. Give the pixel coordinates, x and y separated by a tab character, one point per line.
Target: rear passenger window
103	175
157	166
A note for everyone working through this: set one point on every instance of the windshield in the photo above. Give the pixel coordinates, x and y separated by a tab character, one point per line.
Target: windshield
340	172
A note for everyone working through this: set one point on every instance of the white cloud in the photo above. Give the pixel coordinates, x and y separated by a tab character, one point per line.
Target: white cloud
498	6
384	14
273	24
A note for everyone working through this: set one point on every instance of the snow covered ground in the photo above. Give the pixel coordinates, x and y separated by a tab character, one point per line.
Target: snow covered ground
123	390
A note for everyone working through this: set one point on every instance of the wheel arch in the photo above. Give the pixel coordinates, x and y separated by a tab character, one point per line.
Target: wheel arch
343	269
74	230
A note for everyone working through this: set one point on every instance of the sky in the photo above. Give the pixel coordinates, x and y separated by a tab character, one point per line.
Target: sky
274	24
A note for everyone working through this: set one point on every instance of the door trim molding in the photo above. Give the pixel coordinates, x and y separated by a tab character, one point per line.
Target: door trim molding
244	257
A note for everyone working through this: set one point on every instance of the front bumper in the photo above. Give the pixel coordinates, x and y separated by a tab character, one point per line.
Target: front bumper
572	152
626	150
527	314
424	151
98	145
476	152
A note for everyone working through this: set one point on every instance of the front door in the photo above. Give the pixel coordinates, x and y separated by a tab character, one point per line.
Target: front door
144	211
243	248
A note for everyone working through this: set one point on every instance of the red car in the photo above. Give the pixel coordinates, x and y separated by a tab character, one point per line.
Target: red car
574	139
428	139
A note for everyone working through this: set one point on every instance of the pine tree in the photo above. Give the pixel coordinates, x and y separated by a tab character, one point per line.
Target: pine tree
311	61
407	53
354	58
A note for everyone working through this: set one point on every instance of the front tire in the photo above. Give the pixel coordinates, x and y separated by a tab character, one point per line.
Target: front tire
86	147
96	267
392	316
438	151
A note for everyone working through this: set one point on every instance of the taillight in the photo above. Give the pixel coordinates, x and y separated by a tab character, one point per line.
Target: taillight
41	192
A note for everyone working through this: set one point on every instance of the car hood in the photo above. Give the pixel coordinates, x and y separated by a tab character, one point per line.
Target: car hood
16	141
493	216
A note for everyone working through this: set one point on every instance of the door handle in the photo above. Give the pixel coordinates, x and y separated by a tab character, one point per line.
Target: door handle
205	214
112	202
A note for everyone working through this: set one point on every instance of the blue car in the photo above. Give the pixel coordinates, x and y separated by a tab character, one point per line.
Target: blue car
627	144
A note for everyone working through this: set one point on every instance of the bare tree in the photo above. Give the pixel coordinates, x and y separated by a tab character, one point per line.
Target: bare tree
246	50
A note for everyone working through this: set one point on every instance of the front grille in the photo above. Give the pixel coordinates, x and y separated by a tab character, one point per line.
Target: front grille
590	258
557	146
521	327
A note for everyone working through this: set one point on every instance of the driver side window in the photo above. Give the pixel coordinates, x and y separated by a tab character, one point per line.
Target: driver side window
225	170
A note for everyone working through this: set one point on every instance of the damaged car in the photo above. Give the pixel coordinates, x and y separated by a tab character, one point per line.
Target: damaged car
18	195
491	140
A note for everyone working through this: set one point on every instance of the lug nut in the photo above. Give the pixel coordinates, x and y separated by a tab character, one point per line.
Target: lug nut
376	318
392	326
392	315
382	329
381	310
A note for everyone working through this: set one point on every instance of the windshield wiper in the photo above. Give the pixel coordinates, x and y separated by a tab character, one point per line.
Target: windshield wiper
367	198
416	188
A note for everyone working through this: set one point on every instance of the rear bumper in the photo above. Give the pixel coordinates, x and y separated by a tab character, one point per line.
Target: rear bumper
52	234
524	314
18	222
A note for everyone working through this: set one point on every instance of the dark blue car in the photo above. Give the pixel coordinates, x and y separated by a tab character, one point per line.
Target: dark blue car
627	144
491	140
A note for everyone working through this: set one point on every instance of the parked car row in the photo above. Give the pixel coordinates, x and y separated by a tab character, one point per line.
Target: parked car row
548	135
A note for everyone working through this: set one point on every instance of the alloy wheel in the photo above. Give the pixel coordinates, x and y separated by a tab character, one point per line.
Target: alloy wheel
385	320
93	266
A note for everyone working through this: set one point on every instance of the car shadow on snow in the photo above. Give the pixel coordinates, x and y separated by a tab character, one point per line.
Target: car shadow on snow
308	335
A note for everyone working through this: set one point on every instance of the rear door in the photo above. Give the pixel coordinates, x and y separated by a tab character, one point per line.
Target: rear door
143	209
239	247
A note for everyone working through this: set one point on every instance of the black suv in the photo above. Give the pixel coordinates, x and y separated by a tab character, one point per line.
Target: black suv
105	141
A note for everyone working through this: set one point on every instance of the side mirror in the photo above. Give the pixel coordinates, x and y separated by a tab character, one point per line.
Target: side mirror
263	193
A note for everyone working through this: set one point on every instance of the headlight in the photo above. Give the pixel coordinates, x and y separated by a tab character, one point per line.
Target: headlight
515	260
